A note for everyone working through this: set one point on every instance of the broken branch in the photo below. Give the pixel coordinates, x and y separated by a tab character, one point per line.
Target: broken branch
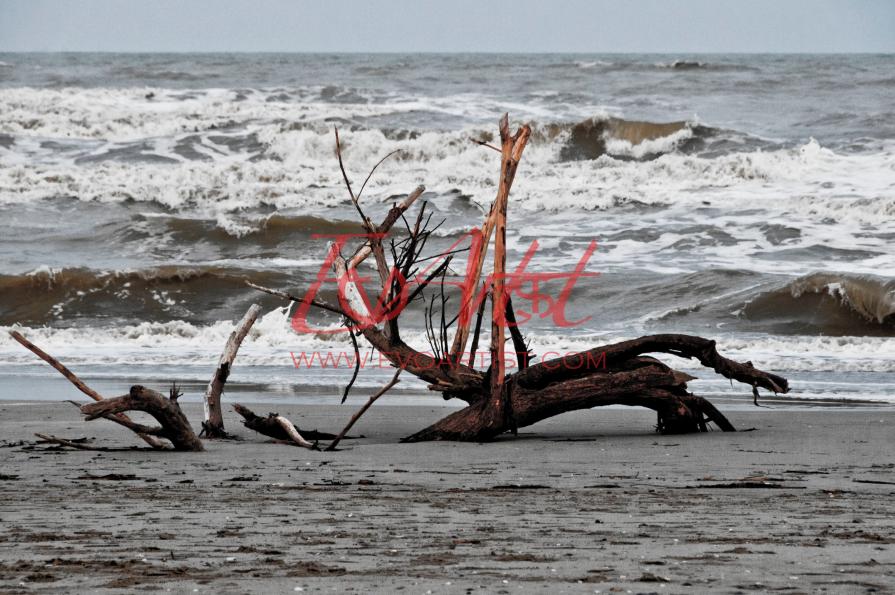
363	410
119	418
213	426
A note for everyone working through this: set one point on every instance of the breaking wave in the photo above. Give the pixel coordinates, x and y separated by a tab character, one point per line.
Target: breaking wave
193	293
616	137
828	304
300	174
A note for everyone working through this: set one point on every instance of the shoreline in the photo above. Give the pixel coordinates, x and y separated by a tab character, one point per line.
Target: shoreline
588	501
44	385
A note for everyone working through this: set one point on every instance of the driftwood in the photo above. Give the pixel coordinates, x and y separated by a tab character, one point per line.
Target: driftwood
213	426
500	405
293	433
174	424
617	374
280	428
80	444
496	402
373	398
119	418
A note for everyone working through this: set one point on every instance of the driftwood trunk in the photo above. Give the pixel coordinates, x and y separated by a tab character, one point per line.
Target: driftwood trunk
119	418
612	375
174	424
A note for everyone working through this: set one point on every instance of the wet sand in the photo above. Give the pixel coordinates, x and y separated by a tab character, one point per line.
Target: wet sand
590	501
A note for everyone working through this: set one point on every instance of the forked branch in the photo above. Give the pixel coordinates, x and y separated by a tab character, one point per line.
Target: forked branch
119	418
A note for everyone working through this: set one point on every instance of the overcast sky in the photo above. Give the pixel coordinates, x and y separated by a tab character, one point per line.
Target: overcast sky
449	25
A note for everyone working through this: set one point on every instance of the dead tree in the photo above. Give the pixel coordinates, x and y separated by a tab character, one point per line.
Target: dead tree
616	374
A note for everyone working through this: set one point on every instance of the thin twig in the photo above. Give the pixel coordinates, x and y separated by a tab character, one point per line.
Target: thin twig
77	444
288	296
419	288
342	167
394	213
484	144
370	175
64	442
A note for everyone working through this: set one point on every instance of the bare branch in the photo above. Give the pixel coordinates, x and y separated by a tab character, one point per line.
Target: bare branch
362	410
64	442
119	418
344	173
213	427
370	175
356	363
484	144
288	296
393	215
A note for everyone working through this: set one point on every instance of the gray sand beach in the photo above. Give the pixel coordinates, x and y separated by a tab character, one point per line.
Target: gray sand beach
587	502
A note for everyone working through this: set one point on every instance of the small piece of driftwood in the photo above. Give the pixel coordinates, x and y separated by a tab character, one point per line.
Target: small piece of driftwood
279	428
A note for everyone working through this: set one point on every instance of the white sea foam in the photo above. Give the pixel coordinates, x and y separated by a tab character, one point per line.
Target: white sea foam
272	339
832	199
815	182
588	64
133	114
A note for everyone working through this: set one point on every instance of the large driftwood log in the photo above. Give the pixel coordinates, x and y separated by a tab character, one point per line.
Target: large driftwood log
635	381
174	424
213	426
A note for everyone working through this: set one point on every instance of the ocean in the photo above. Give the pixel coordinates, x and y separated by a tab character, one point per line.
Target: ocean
745	198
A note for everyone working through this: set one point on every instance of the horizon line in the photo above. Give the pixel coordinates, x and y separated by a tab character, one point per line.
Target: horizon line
460	53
